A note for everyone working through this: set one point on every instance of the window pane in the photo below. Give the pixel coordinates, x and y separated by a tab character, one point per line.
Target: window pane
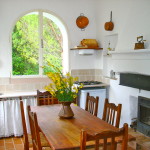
52	41
25	46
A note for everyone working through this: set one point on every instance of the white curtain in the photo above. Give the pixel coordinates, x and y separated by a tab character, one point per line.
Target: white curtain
10	115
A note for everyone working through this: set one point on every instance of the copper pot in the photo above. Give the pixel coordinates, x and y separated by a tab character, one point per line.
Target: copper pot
109	25
82	21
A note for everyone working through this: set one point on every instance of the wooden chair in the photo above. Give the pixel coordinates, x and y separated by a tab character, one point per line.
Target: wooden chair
111	113
45	98
105	140
92	104
26	136
36	140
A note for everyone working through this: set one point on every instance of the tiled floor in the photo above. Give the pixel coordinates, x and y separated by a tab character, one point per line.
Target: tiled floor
143	142
11	144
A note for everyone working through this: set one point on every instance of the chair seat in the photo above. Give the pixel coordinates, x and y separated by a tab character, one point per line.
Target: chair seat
108	148
30	140
117	139
44	142
130	138
106	139
46	148
119	147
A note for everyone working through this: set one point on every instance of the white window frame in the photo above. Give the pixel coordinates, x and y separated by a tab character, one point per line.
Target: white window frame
60	23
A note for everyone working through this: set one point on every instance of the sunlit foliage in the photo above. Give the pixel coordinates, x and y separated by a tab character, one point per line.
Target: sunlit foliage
26	45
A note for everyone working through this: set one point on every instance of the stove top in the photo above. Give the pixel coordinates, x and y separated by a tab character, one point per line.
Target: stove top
88	82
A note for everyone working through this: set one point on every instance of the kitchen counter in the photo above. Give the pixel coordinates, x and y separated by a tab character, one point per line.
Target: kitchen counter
34	93
93	86
17	94
96	85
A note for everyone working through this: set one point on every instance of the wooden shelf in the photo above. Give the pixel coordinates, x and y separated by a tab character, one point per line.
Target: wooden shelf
86	48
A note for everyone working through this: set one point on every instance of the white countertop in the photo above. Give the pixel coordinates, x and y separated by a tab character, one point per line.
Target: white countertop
97	85
94	85
17	94
34	93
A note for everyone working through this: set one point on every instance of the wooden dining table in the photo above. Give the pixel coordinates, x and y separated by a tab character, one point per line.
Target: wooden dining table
65	133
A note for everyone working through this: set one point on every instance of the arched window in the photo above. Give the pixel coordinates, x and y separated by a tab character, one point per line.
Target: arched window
37	38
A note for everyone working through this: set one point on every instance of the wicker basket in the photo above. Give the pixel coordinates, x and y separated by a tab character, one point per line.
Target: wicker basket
89	43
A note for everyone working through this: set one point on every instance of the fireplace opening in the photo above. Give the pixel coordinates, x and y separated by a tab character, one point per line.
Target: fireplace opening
143	121
145	115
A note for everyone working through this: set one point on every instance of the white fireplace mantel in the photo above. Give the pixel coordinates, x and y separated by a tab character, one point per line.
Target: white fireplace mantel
130	51
143	54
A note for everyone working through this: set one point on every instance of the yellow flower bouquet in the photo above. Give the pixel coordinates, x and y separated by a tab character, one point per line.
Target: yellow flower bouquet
62	86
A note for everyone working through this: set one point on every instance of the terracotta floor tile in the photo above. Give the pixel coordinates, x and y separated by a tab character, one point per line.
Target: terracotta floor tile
17	140
8	140
132	144
1	142
147	144
2	148
143	142
9	145
19	147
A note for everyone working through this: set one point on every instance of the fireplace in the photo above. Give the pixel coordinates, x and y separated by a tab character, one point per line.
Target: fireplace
143	122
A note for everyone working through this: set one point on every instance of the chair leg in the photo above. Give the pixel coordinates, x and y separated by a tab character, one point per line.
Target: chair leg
25	147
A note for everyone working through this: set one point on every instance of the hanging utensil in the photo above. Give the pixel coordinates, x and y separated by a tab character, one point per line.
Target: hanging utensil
109	25
82	21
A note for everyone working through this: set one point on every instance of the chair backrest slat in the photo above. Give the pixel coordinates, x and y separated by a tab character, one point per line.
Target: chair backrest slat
46	98
104	136
112	113
92	104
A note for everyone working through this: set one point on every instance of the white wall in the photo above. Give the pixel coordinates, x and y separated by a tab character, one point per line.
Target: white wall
67	10
128	97
131	19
